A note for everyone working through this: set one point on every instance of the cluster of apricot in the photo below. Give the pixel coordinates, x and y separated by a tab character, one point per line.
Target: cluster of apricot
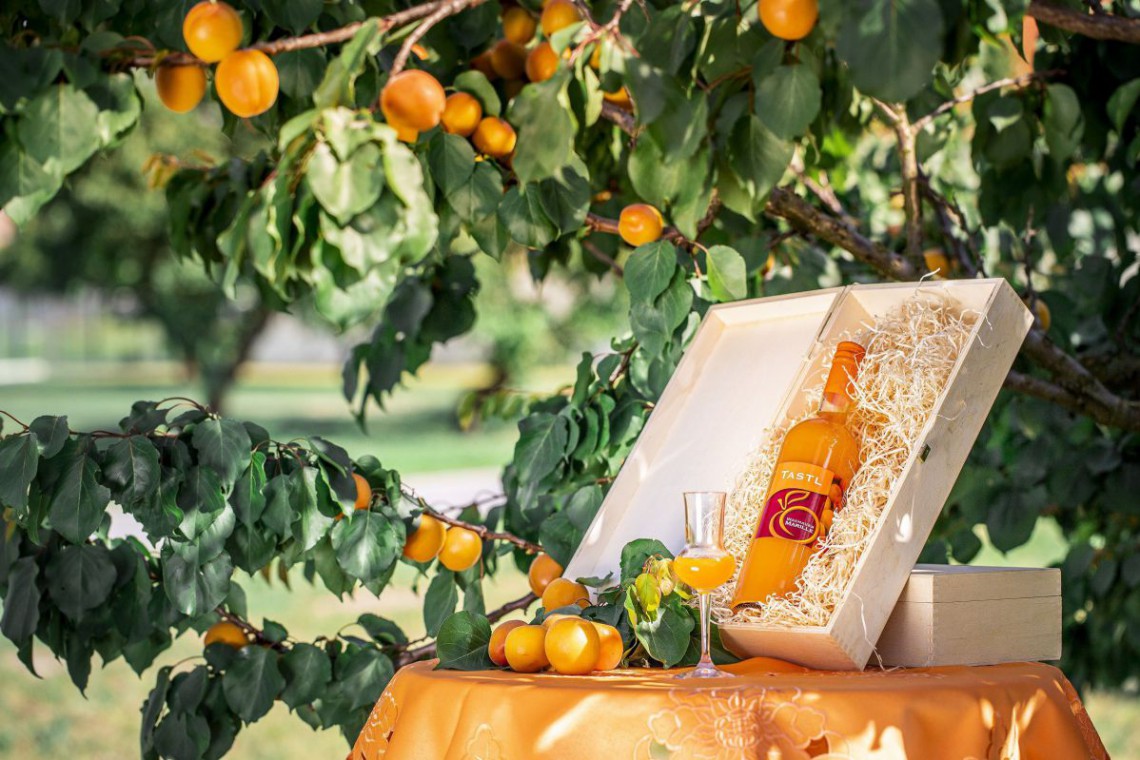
246	80
563	642
458	548
514	56
413	101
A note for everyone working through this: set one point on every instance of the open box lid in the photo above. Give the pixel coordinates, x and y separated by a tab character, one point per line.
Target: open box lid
743	369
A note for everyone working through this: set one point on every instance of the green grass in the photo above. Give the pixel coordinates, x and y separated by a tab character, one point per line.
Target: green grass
417	433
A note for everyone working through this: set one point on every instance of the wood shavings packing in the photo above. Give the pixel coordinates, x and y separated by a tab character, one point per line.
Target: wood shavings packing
911	353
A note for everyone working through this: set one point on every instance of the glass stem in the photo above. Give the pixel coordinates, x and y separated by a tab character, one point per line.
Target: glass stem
706	660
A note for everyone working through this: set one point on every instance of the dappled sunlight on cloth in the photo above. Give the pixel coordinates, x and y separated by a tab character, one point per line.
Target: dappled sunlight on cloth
776	711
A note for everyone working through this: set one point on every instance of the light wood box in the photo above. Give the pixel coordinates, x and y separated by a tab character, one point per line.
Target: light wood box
965	615
743	373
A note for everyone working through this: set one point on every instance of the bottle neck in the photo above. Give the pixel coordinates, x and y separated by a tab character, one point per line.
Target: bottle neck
836	400
834	406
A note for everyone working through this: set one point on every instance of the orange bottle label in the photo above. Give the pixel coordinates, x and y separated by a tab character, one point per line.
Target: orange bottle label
800	495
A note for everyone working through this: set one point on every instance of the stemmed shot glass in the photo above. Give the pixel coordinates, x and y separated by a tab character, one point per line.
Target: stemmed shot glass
704	565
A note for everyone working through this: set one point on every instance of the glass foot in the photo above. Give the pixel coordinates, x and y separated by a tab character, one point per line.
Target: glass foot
705	671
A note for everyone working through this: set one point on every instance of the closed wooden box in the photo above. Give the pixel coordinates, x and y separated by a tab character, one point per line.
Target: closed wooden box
964	615
746	370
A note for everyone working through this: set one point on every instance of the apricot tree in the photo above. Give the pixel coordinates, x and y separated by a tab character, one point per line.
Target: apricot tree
745	149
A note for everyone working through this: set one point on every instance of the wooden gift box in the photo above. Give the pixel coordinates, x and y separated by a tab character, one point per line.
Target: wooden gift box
965	615
743	373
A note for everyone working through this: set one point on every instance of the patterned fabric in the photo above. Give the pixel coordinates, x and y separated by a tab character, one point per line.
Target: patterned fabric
775	711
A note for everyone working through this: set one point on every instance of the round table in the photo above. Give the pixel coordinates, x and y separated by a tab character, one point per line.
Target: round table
773	710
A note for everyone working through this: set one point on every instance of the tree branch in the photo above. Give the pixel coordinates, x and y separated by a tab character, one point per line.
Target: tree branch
483	531
1016	82
912	199
805	217
302	42
1098	27
603	257
445	8
619	116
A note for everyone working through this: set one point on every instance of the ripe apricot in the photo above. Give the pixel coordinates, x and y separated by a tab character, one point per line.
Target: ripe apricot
497	647
619	98
563	592
559	14
789	19
212	30
461	114
413	99
462	548
1044	316
640	223
495	137
227	633
404	133
363	491
519	25
542	571
180	88
541	63
550	620
526	648
427	540
573	646
247	83
508	59
937	262
612	648
482	62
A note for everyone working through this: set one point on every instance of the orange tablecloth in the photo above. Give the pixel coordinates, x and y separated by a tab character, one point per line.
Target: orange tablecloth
1018	711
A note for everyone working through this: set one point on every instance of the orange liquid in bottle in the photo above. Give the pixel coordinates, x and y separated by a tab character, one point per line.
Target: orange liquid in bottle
815	465
705	573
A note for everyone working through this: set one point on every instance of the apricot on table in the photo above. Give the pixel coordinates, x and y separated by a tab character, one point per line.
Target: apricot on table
572	647
525	648
497	647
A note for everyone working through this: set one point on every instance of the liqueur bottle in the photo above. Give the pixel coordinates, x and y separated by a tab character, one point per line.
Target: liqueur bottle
815	465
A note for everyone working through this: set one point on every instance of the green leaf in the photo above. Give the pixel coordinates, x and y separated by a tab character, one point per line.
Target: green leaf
635	553
727	273
439	601
195	588
252	682
545	130
130	466
300	71
295	15
80	578
51	433
22	601
479	197
338	88
78	501
362	673
759	158
181	736
666	638
653	323
224	447
650	269
462	642
152	708
891	46
524	218
682	125
368	543
475	83
311	523
381	630
541	445
345	189
248	497
307	672
451	160
119	106
1121	103
1064	122
21	176
56	128
788	99
565	198
19	461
